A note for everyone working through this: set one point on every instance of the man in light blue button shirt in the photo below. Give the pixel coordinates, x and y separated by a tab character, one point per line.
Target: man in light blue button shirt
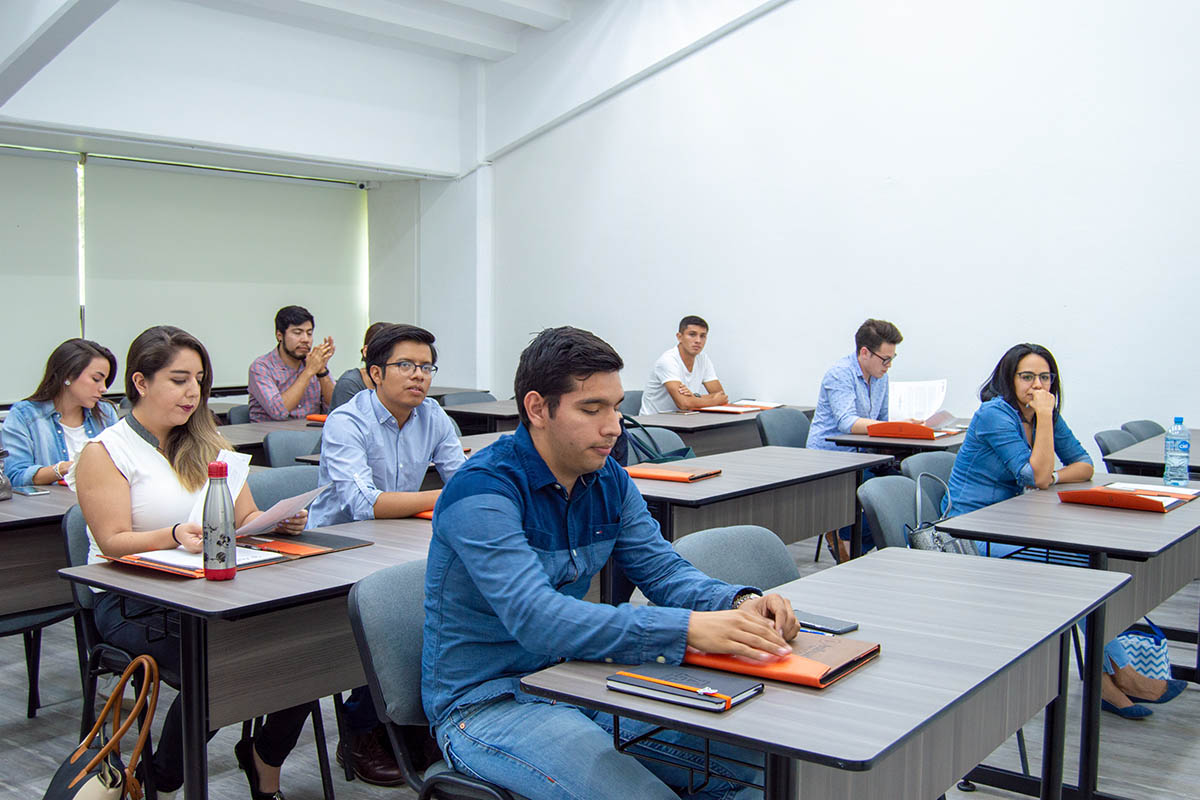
375	451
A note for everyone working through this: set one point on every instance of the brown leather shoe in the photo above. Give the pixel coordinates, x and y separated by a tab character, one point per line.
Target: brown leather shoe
371	758
838	547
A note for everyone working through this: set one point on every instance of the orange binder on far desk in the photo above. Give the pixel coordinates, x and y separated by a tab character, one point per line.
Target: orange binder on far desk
906	430
1133	496
816	660
656	472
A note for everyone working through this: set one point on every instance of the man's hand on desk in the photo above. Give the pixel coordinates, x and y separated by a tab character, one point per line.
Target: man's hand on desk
742	632
778	611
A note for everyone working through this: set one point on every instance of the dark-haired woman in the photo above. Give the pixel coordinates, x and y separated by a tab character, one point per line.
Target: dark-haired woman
1011	446
141	486
45	432
356	379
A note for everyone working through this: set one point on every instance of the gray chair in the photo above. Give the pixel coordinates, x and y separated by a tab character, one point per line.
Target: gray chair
632	404
238	415
889	502
30	624
1111	441
785	427
462	398
1143	429
282	447
744	554
660	438
937	463
269	486
387	614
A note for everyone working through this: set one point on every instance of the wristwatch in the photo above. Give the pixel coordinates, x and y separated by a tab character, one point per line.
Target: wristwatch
743	596
324	374
1054	477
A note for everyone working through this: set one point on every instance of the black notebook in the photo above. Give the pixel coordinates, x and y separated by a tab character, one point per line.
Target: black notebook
698	688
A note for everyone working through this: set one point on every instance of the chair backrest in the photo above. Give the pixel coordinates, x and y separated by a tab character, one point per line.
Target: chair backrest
1143	429
386	614
662	439
239	415
1112	440
282	447
889	502
75	538
632	404
786	427
937	463
269	486
454	422
462	398
745	554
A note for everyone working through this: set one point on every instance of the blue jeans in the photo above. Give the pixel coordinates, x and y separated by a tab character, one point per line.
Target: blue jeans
556	751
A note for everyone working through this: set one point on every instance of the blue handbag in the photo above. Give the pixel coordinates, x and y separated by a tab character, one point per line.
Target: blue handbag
1148	651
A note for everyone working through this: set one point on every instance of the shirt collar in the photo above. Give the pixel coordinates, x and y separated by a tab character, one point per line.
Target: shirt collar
278	359
45	408
858	368
137	427
539	474
383	416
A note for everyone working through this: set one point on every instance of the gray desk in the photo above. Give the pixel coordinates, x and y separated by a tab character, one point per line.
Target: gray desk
971	649
900	448
492	416
32	551
238	637
248	436
709	432
1160	551
1147	458
438	392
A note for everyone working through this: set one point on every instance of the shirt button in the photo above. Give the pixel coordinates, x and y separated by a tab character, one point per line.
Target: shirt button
558	486
575	552
661	659
608	661
462	726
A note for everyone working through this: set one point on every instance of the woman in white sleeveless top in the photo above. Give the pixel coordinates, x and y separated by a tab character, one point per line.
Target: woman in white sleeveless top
141	485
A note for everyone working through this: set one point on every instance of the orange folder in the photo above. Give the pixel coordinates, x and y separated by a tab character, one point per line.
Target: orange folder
1119	498
185	572
317	417
905	430
816	660
656	472
424	514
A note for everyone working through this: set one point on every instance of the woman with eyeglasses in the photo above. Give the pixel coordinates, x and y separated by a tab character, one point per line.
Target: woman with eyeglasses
1011	446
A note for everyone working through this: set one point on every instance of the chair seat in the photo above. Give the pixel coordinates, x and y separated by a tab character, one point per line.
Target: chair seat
35	619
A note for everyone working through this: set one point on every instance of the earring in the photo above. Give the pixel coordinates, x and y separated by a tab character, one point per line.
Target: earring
66	383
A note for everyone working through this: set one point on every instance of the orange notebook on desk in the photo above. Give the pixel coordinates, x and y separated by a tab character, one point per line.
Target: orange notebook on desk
317	417
657	472
906	430
816	660
1135	496
424	514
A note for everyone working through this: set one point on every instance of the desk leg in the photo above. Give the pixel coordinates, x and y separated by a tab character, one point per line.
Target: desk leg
779	778
1089	744
193	697
856	532
1055	730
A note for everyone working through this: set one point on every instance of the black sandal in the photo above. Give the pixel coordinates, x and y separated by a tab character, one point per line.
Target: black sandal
245	758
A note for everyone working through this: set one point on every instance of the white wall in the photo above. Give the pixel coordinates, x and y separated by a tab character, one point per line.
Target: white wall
149	70
393	212
979	173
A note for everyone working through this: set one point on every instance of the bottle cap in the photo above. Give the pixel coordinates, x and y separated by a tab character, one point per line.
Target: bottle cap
1179	420
218	469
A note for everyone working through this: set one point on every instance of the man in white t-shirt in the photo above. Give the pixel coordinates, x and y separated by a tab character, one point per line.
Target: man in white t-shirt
683	378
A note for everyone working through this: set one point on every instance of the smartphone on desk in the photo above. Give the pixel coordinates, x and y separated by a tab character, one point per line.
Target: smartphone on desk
820	622
30	491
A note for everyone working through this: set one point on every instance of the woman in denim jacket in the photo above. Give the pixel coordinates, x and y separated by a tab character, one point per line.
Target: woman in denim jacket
45	432
1011	446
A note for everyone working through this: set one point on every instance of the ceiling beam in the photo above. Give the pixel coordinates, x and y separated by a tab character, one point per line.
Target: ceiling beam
545	15
377	22
72	18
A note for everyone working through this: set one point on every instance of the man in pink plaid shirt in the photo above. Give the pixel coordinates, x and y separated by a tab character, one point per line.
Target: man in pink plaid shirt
291	381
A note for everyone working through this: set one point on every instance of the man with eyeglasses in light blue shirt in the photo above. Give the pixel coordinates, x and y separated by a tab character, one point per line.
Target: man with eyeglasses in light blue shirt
854	394
375	451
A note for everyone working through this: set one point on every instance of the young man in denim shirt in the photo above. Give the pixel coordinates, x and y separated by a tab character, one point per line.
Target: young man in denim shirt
518	535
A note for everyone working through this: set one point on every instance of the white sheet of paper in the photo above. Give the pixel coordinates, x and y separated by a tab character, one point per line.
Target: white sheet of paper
182	558
915	399
1143	487
287	507
769	403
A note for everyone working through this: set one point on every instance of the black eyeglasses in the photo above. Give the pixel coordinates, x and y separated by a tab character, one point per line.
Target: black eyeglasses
1047	378
885	359
408	367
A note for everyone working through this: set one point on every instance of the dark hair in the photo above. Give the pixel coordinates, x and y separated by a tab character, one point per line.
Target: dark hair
380	345
67	362
288	316
555	359
190	446
375	328
875	332
692	319
1000	384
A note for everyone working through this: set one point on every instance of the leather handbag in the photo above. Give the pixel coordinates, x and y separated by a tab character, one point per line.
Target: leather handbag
648	452
5	486
95	770
924	537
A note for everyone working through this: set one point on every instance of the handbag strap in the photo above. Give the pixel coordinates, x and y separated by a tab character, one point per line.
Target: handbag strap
147	698
648	449
949	503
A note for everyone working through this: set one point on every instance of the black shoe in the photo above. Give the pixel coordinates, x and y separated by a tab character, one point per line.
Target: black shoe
245	758
370	757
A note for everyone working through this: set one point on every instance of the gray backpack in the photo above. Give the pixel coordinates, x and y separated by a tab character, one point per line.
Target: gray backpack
925	537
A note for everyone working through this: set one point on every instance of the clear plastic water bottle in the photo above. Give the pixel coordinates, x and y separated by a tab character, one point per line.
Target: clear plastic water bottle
1177	450
220	541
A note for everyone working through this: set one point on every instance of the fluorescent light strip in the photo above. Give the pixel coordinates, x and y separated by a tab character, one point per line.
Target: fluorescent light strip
79	235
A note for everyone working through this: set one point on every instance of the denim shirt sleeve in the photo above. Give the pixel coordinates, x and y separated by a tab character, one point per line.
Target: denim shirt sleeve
1066	446
344	457
661	573
263	387
1003	433
887	390
843	402
448	454
17	438
485	532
